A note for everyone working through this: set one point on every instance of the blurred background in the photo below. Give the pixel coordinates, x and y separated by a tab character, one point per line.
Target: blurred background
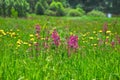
21	8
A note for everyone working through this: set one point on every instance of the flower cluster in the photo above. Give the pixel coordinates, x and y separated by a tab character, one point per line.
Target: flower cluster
73	42
105	28
37	31
55	37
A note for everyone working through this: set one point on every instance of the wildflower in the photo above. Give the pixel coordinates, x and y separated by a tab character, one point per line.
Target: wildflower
29	44
100	31
45	44
107	40
71	33
18	46
105	27
32	39
95	44
91	38
42	38
37	31
113	43
31	35
25	43
19	42
13	34
108	32
2	32
55	38
84	35
73	41
107	37
37	46
94	32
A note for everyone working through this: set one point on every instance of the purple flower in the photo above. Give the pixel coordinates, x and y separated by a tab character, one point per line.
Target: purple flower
37	29
105	27
55	37
73	42
113	43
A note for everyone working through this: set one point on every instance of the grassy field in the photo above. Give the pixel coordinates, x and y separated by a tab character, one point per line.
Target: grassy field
96	58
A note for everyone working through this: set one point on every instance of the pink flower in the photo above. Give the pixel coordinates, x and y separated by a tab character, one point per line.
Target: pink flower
113	43
55	37
37	29
73	42
105	27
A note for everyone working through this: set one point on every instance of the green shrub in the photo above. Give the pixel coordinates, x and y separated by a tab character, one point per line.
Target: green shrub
50	13
14	13
53	6
39	9
58	8
74	12
81	10
96	13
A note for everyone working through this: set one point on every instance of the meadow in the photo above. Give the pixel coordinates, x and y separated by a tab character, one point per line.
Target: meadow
59	48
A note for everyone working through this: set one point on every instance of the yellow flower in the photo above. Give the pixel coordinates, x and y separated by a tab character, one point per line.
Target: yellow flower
95	44
83	41
13	34
32	39
84	35
71	33
91	38
107	37
29	45
19	42
18	46
42	38
31	35
2	32
108	32
106	42
100	31
34	42
94	32
25	43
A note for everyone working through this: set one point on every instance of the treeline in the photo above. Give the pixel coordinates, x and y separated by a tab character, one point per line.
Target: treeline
57	7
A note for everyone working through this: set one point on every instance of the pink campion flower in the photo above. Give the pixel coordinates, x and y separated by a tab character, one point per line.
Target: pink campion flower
37	46
37	29
55	37
105	27
113	43
73	42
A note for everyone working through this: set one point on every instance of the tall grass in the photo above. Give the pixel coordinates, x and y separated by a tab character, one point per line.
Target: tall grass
95	59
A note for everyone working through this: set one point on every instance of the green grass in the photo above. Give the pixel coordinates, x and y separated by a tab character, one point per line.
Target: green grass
88	63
